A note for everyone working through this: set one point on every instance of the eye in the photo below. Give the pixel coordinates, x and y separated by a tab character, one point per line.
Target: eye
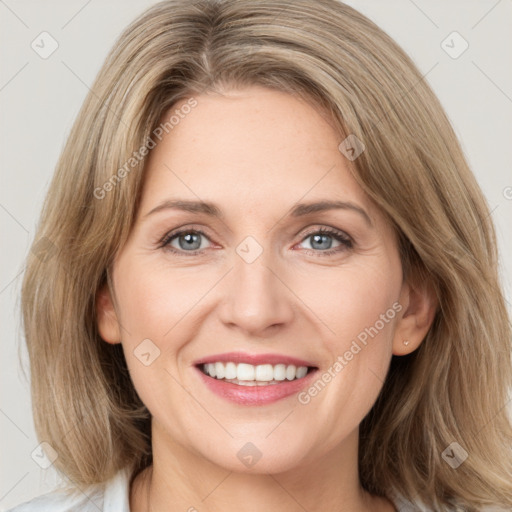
321	241
187	240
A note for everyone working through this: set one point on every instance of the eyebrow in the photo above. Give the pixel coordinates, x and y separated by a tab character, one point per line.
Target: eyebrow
298	210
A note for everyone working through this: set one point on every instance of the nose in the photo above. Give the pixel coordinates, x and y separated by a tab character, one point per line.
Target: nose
256	300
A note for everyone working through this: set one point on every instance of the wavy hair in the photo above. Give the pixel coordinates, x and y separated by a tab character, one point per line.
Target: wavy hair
453	388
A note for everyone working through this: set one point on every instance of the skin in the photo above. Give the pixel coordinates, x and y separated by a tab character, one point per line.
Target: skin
255	152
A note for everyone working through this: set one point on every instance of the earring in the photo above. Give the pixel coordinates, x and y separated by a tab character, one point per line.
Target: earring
406	342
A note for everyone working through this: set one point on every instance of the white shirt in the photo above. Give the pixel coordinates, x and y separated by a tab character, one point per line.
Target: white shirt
113	496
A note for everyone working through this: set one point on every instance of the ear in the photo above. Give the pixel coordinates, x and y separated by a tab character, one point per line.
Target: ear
108	324
419	304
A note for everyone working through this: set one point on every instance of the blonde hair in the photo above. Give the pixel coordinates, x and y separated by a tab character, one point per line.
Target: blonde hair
453	388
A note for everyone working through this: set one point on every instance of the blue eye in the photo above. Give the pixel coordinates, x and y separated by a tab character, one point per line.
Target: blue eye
322	240
190	241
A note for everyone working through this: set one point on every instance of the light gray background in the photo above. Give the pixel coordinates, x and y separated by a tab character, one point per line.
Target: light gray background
39	99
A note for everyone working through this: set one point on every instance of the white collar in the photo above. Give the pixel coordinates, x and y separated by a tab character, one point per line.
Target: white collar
117	492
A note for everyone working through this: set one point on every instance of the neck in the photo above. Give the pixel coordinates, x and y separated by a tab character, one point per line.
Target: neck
187	481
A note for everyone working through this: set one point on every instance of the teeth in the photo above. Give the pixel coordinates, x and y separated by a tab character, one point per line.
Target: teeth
230	371
301	372
249	375
264	372
220	371
244	371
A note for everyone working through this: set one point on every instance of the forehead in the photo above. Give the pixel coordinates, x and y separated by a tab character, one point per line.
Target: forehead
249	148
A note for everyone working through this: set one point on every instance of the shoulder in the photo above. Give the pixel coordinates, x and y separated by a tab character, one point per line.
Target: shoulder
59	502
112	496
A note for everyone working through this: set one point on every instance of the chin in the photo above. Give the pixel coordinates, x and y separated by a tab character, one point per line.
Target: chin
260	456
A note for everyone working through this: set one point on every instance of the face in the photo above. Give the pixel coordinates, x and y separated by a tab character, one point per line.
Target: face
255	287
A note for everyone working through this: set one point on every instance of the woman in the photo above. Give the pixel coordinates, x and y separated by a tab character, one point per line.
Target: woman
275	279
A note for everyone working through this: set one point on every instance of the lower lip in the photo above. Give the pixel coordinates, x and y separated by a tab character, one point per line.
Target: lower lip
255	395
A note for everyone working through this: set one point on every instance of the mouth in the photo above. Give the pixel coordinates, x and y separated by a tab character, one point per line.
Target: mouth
260	379
243	374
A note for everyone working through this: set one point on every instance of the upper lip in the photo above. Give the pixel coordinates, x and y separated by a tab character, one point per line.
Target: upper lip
254	359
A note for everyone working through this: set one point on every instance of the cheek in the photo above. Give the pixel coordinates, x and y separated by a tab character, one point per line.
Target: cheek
359	312
151	303
154	299
367	310
361	308
156	305
351	303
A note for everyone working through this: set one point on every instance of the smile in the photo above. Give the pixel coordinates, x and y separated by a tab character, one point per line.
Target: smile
244	374
244	384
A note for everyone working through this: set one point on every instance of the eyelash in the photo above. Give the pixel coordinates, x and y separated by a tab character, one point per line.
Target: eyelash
345	240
